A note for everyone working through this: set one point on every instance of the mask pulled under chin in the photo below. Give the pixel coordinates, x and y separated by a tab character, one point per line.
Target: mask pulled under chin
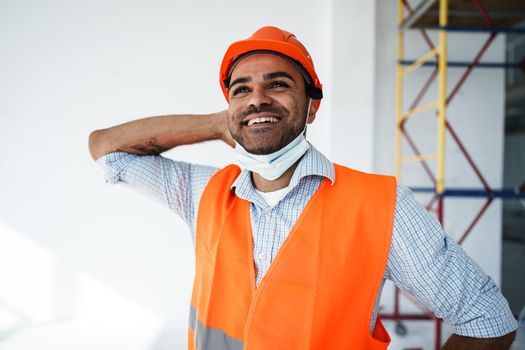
272	166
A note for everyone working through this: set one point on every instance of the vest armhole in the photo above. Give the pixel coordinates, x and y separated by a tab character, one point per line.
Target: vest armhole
224	177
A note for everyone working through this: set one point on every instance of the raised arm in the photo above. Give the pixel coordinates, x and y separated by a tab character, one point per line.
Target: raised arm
155	135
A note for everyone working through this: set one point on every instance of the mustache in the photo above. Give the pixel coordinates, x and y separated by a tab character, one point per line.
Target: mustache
281	111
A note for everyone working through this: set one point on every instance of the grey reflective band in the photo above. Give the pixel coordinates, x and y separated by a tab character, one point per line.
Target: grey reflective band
208	338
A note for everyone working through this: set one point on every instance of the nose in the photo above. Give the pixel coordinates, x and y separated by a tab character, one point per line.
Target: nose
258	97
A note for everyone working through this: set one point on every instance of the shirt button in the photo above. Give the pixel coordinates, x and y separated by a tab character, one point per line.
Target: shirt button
262	256
268	215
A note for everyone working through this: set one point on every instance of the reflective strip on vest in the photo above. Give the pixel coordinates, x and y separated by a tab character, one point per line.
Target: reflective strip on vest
208	338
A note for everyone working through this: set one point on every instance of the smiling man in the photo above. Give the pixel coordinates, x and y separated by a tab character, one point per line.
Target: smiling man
292	251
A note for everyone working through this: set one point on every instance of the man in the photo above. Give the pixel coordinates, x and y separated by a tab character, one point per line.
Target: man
293	251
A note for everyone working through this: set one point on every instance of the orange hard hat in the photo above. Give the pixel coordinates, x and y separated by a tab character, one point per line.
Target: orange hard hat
283	43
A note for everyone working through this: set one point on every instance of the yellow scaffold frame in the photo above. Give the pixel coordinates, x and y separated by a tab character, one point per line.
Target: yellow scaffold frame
440	103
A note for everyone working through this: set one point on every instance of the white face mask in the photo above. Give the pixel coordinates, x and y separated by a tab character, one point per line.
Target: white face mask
272	166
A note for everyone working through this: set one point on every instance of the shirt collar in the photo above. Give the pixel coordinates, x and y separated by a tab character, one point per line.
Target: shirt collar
313	163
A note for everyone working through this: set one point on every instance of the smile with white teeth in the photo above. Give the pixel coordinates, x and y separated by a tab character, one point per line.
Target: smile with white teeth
262	120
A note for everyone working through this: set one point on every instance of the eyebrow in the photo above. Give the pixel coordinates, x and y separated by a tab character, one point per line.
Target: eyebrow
268	76
240	81
279	74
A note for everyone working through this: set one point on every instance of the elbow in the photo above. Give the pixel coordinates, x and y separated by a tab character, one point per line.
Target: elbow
95	144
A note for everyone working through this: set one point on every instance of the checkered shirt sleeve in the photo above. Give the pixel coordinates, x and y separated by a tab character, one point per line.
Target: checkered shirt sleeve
428	264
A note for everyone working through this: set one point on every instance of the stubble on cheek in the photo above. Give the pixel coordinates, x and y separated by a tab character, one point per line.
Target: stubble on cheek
234	126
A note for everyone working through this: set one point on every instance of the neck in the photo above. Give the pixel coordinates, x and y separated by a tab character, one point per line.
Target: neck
283	181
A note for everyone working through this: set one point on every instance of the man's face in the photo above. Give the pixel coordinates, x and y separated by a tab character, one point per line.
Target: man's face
268	103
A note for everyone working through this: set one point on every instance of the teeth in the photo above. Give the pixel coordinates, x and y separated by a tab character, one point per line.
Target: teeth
262	120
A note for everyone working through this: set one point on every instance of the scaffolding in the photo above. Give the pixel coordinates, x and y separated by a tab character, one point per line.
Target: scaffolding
446	16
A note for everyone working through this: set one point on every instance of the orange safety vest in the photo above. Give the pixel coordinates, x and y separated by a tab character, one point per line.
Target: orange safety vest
321	288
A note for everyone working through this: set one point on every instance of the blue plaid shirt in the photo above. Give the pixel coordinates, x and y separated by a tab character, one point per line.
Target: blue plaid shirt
422	259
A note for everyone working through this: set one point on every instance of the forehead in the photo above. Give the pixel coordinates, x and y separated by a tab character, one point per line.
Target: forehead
259	64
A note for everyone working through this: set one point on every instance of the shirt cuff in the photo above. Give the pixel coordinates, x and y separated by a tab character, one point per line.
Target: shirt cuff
492	325
114	165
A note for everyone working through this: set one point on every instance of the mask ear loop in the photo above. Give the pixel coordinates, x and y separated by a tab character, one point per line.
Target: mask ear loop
307	114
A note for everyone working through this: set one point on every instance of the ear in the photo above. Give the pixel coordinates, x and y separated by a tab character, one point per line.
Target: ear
313	110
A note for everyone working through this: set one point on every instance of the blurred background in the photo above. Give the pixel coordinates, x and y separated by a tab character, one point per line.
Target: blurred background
88	265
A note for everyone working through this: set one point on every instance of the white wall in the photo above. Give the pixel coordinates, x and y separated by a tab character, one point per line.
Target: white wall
83	261
353	69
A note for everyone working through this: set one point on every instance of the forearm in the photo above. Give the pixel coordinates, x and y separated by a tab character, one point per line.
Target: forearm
155	135
458	342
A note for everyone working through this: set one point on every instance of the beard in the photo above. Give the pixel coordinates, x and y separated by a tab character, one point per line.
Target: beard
264	141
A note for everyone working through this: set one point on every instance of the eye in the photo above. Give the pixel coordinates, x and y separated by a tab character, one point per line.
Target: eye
240	90
279	84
